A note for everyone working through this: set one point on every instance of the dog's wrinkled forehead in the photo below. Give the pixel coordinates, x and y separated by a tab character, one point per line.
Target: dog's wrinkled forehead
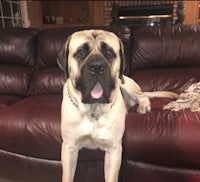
93	38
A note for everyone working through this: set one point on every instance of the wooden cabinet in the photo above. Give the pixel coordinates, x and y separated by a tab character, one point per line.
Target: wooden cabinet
192	12
51	14
198	12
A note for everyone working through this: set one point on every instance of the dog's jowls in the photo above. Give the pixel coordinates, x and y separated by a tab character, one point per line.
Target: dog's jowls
95	99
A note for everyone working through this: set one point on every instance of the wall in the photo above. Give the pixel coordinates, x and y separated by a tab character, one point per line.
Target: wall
108	7
34	13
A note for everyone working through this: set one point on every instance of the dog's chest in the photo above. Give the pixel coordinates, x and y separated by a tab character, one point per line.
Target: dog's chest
88	132
95	133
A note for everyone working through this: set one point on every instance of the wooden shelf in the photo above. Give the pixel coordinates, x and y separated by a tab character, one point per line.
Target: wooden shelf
81	13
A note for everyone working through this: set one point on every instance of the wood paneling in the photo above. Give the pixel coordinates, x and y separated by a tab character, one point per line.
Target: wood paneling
191	12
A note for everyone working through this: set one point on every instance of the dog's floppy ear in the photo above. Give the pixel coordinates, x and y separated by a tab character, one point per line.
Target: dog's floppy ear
62	59
122	61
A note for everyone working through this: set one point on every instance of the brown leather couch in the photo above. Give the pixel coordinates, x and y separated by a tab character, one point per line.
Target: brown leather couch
160	146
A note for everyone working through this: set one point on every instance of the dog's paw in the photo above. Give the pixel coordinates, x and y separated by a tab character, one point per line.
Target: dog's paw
144	105
143	108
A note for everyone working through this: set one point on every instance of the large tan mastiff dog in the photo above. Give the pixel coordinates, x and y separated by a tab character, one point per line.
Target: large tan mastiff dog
95	99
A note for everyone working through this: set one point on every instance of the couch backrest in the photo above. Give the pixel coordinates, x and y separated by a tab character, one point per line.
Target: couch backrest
166	46
165	58
17	57
158	58
48	77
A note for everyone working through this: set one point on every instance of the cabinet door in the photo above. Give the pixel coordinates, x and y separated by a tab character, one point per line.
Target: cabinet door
191	12
97	12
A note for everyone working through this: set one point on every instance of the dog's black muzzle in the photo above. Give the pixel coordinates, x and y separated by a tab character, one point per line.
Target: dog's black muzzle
95	83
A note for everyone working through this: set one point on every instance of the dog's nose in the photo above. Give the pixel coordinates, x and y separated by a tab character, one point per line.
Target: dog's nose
96	67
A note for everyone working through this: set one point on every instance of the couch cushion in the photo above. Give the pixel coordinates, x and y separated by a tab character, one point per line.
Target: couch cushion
165	46
18	46
175	79
17	56
163	137
47	81
14	79
31	126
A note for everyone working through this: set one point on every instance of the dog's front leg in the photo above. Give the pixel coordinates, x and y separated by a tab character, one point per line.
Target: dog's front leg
69	158
112	163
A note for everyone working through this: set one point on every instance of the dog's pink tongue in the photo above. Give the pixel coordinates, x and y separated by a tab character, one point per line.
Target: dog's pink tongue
97	91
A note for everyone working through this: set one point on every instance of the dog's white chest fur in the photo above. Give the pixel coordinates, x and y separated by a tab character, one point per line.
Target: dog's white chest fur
92	126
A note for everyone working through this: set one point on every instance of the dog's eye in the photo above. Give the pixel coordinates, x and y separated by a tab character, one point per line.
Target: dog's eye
81	53
109	54
107	51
